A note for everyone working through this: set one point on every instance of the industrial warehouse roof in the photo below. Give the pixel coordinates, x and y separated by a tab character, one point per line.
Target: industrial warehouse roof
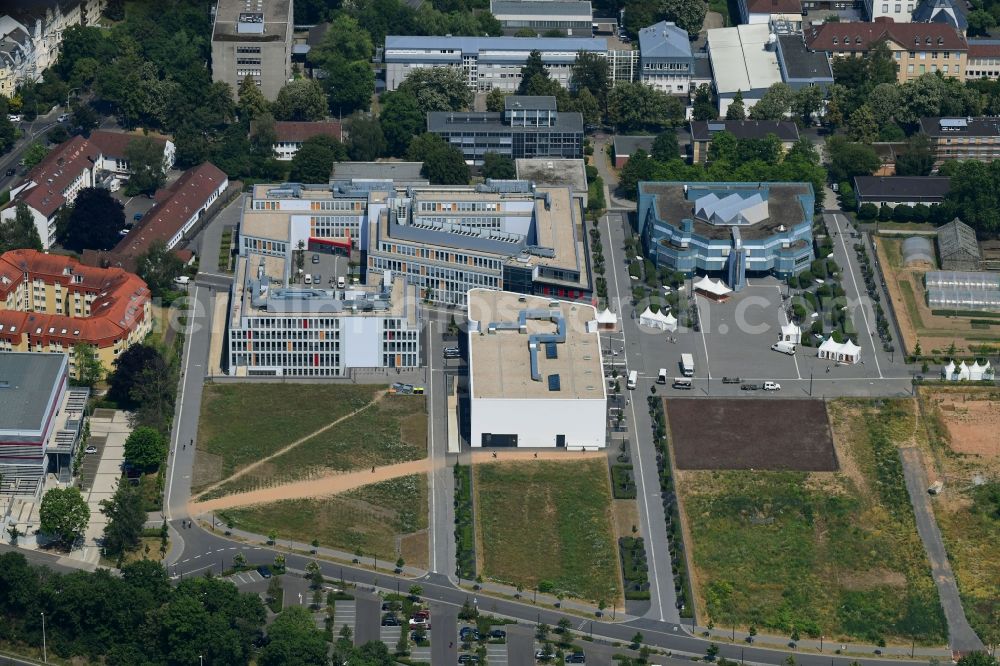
500	361
877	189
26	382
704	130
553	172
473	45
510	8
740	60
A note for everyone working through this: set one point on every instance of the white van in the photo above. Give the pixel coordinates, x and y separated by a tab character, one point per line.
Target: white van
682	383
784	348
772	386
662	377
341	282
308	279
633	379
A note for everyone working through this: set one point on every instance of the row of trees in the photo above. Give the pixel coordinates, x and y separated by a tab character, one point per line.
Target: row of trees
730	159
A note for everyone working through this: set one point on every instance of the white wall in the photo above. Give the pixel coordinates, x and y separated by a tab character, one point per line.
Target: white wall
537	422
361	342
41	224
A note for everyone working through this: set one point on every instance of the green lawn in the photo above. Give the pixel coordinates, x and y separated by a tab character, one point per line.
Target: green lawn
833	554
906	289
392	431
370	518
242	423
548	521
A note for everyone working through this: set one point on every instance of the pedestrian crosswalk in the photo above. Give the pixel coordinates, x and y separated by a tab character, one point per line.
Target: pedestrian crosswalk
496	654
343	614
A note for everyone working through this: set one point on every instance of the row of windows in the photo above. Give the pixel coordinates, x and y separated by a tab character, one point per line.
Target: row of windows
898	8
248	61
260	204
440	255
247	72
922	55
460	206
923	69
677	66
484	222
337	204
248	49
264	246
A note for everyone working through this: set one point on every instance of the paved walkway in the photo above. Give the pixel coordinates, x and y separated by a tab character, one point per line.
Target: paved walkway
114	431
961	637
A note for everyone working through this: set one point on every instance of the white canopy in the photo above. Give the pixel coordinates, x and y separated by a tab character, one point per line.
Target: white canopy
964	372
791	333
664	322
607	317
714	288
842	352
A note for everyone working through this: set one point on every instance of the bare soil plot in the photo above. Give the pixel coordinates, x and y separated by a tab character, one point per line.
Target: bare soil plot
963	451
737	433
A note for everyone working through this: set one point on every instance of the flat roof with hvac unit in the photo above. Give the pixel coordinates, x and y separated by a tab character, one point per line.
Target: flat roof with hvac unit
518	343
535	373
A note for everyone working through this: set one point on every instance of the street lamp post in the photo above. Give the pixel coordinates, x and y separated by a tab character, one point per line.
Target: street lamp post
45	647
201	660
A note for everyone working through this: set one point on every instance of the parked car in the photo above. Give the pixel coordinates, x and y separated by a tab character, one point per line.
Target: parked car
425	614
265	572
11	171
90	449
576	658
63	117
772	386
452	352
420	623
315	258
468	659
14	117
137	217
389	620
542	655
469	634
498	634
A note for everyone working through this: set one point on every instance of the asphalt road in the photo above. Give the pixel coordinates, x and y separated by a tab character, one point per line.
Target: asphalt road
961	637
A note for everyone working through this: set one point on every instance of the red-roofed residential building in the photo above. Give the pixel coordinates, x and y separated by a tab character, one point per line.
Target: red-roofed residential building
67	169
984	59
290	135
51	303
178	208
918	48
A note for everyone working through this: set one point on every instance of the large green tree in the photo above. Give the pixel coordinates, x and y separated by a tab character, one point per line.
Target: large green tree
302	99
145	166
443	163
314	161
349	85
917	159
499	167
126	517
634	106
89	369
401	119
437	89
159	267
975	190
20	232
532	67
590	72
252	102
774	104
365	138
737	109
294	640
145	448
63	515
846	159
346	39
128	368
687	14
96	219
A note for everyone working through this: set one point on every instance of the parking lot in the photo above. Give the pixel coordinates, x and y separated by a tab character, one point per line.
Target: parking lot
328	267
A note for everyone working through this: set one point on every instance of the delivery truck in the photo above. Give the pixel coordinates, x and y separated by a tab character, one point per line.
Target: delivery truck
687	365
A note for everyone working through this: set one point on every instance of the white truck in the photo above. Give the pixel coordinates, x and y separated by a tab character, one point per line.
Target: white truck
784	347
661	378
687	365
633	379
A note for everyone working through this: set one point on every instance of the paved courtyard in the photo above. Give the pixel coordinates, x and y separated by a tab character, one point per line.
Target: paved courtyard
108	431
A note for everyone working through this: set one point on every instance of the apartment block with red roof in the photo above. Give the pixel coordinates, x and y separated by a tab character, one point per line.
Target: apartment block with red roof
918	48
51	303
290	135
70	167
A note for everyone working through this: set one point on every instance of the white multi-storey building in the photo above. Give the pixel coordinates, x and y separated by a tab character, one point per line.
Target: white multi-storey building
488	62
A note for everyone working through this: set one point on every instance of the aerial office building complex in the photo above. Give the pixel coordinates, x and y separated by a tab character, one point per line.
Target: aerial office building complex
535	372
528	127
40	421
253	38
730	229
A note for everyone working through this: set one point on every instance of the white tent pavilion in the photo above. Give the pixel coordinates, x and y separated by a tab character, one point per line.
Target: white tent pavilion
841	352
791	333
714	290
607	320
658	320
972	373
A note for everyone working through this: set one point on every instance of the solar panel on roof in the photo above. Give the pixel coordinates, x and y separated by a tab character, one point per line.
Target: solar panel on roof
954	122
554	383
551	351
717	127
